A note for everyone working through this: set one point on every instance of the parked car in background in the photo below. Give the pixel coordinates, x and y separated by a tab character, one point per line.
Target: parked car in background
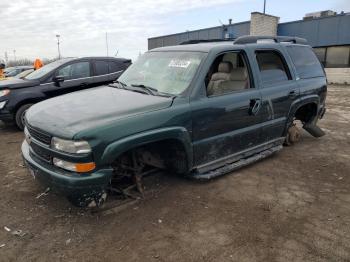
54	79
13	71
24	73
201	110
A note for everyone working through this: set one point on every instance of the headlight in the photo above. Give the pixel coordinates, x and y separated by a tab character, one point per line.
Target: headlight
69	146
4	92
2	104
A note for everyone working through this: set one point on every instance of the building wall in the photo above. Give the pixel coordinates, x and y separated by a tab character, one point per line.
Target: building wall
338	75
219	32
326	31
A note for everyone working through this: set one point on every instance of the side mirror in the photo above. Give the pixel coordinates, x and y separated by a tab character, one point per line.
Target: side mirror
58	79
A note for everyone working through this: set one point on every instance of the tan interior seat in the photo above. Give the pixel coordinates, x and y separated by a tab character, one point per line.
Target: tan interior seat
223	75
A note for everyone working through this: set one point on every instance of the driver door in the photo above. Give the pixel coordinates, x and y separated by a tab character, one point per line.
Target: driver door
77	76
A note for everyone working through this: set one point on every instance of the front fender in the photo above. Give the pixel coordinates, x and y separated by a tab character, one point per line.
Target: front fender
25	97
118	147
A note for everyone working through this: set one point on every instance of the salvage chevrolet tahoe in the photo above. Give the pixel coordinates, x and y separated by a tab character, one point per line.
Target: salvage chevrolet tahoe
198	109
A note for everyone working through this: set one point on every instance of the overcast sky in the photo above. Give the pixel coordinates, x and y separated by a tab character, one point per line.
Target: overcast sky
29	27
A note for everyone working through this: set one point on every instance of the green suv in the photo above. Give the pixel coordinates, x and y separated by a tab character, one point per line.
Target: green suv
201	110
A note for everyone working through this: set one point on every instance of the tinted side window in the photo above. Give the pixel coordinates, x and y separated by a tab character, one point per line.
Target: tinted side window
74	71
272	67
115	67
305	61
101	68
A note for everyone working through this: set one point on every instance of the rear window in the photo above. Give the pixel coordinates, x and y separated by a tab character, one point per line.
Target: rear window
272	67
305	61
115	67
101	67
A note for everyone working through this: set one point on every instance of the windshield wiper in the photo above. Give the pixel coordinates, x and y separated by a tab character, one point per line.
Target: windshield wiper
120	84
151	90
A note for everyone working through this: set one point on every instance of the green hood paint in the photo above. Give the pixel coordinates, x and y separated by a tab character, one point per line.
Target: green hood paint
67	115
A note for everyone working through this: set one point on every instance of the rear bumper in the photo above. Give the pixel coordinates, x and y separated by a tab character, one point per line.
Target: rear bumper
65	183
321	112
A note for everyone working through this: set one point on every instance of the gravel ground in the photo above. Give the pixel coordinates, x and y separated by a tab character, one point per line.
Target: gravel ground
293	206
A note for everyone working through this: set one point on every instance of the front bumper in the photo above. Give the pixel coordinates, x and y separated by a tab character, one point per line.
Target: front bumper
65	183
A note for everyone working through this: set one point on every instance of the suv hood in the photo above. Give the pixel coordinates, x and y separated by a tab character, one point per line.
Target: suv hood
14	83
69	114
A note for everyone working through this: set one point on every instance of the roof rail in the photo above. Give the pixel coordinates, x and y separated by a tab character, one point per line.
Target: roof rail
190	42
277	39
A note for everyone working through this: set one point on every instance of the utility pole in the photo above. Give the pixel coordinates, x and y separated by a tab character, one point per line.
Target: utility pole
264	6
58	46
107	43
6	57
14	54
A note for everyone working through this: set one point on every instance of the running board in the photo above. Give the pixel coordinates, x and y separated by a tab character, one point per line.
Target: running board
236	165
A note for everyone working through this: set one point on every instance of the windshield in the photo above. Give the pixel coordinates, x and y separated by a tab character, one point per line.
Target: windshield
168	72
45	69
24	73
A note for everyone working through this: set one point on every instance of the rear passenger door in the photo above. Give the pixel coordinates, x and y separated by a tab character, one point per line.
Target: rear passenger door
278	90
101	72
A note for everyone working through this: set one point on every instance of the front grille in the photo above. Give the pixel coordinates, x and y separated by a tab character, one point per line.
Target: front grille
39	135
40	152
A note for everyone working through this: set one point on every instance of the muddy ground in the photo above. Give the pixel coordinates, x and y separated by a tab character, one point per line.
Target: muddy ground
293	206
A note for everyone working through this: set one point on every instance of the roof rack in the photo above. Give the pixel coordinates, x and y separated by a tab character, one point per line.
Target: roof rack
190	42
276	39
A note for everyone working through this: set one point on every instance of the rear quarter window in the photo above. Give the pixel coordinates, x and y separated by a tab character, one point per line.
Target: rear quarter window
116	66
305	61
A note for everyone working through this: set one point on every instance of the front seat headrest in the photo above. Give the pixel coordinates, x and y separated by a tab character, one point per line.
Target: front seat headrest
225	67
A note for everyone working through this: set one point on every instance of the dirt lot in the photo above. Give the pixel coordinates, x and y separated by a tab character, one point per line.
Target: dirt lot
293	206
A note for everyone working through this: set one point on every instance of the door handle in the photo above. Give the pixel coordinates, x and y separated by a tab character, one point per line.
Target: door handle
254	106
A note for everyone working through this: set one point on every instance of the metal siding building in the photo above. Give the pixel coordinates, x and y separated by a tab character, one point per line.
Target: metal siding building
329	36
325	31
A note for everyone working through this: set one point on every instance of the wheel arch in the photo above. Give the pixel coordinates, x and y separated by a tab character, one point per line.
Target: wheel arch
312	101
179	135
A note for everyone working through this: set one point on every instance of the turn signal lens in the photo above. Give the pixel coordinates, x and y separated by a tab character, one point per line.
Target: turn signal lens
75	167
85	167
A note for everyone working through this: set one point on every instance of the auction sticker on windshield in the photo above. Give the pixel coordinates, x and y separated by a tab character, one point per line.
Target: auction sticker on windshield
179	63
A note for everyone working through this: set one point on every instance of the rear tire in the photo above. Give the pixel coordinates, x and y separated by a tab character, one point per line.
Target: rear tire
20	114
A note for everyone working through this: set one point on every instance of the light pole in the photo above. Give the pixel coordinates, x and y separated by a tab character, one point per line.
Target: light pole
107	44
58	46
14	54
264	6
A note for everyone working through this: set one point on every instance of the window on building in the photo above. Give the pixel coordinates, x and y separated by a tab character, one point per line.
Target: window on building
272	67
320	52
305	61
338	56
